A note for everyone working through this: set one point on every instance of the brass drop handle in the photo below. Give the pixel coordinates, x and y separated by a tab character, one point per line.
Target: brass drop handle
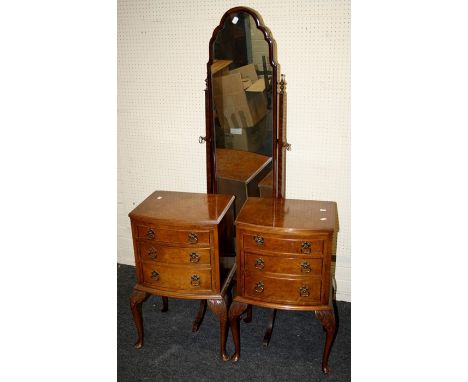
259	263
259	240
155	275
150	234
305	267
152	253
304	291
305	247
194	257
195	280
259	287
192	237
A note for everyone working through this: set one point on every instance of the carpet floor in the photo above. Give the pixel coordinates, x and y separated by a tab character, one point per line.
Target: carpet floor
173	353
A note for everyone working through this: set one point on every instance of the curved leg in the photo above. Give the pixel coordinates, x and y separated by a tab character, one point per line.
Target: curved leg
200	314
327	319
219	307
248	315
165	304
271	323
136	299
237	308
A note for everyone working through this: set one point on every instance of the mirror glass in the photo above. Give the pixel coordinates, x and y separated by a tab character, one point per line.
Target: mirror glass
241	80
242	107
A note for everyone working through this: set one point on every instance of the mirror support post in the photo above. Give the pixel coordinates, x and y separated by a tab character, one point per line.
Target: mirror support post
209	149
281	141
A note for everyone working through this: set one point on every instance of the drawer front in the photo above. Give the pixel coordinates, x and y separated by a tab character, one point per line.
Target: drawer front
184	237
170	277
277	244
294	291
173	255
281	264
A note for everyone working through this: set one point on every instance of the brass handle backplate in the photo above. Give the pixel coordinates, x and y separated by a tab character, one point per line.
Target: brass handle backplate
155	275
192	237
304	291
195	280
305	267
152	253
259	287
150	234
305	247
259	263
259	240
194	257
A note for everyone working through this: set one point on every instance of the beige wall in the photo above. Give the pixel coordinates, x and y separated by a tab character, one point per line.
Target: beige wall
162	55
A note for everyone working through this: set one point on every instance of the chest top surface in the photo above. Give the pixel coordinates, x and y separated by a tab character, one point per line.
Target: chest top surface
183	207
289	214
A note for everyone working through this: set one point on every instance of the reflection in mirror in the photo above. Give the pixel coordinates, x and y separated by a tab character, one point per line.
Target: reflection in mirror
241	80
242	107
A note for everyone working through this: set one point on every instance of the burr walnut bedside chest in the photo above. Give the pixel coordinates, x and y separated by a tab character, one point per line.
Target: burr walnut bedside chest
182	243
284	252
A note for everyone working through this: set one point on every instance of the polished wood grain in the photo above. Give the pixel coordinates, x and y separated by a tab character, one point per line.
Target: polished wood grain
185	237
179	241
164	276
239	165
281	290
284	249
291	214
182	207
157	252
266	186
239	172
287	265
257	241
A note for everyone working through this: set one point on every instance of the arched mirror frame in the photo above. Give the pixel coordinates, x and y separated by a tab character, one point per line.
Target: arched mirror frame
278	97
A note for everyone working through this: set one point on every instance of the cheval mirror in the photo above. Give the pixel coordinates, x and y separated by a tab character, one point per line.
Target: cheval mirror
245	105
245	110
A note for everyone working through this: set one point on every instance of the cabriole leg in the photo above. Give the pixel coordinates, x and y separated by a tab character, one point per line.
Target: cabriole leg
236	309
165	304
200	314
136	299
219	307
327	319
248	315
269	331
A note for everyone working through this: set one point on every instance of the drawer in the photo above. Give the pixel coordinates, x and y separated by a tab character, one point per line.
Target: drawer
294	291
148	251
278	244
172	277
192	237
281	264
